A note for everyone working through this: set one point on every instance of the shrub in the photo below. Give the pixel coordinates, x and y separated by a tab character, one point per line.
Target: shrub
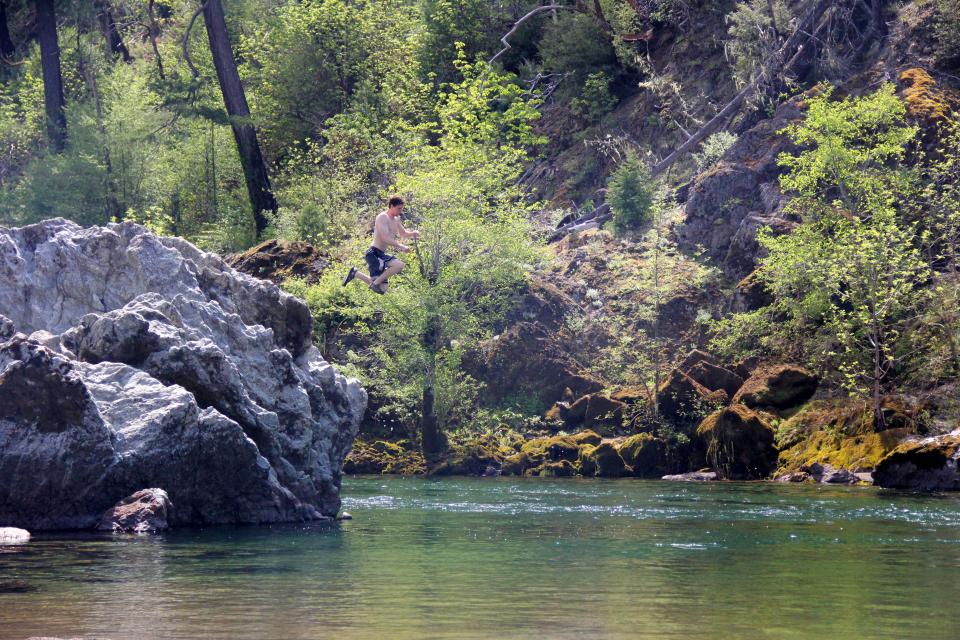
631	192
595	99
713	149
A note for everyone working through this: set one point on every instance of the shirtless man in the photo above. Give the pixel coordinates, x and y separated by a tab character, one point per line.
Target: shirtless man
386	230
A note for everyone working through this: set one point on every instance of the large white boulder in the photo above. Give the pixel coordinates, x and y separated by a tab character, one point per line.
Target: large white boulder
131	361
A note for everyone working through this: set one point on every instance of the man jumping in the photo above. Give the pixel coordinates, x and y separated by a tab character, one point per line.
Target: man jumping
386	230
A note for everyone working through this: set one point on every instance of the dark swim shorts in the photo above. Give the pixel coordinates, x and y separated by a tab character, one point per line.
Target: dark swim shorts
377	261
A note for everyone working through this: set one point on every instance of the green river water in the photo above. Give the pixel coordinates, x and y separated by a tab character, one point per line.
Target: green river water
517	558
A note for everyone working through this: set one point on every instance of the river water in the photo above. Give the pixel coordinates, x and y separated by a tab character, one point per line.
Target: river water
517	558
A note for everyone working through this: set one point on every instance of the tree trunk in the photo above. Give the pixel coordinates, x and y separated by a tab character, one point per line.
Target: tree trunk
52	81
109	27
433	441
152	32
7	48
254	168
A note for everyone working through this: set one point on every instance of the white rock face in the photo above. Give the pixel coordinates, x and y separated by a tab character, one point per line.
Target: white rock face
142	362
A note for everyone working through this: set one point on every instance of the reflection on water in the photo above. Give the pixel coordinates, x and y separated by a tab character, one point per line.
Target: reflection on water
517	558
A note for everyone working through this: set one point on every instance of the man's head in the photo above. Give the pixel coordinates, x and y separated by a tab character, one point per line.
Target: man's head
395	206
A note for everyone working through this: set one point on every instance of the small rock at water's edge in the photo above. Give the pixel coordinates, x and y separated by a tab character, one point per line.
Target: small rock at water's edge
345	516
13	535
142	512
693	476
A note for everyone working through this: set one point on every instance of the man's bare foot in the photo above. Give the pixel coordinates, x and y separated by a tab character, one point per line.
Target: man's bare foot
350	275
378	288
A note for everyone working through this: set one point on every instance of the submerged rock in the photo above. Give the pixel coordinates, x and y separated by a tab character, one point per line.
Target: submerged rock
143	512
144	361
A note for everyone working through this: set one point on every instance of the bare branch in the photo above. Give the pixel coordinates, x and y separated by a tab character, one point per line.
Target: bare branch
505	39
185	44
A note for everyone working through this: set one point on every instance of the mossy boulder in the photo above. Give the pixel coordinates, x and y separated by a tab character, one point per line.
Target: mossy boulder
778	387
930	464
594	409
559	469
277	260
381	456
602	410
739	443
716	378
683	400
644	454
602	460
534	453
841	434
630	395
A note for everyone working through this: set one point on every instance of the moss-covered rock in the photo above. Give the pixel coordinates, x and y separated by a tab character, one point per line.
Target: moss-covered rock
739	443
559	469
840	433
644	454
602	460
381	456
779	386
929	464
716	378
683	400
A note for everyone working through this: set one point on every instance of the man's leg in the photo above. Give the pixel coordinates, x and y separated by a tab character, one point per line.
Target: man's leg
394	267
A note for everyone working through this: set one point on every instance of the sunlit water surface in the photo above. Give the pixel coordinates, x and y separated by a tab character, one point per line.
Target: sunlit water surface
517	558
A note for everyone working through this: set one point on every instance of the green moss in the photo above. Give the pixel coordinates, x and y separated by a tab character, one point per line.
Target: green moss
840	433
559	469
602	460
644	454
739	443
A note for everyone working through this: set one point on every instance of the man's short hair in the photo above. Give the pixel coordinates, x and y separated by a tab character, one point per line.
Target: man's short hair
395	201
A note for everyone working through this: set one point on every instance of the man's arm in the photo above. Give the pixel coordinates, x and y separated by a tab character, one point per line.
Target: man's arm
407	234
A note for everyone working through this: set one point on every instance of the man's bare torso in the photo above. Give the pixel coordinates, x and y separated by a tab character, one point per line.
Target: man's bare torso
386	232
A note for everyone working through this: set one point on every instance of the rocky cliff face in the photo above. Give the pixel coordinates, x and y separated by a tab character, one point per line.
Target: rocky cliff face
130	361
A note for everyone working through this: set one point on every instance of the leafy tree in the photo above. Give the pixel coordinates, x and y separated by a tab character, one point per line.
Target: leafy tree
474	251
847	281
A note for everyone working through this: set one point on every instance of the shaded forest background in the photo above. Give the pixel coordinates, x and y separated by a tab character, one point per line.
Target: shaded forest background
601	186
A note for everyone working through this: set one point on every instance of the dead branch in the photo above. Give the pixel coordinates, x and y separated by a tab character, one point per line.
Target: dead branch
537	10
185	44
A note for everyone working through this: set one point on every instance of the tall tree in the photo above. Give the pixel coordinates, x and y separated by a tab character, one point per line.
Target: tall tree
7	48
109	27
254	168
52	80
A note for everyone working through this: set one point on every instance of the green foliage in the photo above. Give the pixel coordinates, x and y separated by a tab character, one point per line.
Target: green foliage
474	250
311	61
948	29
713	149
851	145
631	192
847	281
450	26
753	38
574	45
595	99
